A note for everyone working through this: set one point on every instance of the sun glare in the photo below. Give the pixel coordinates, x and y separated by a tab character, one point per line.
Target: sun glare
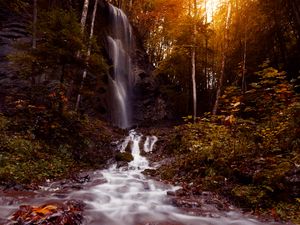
211	7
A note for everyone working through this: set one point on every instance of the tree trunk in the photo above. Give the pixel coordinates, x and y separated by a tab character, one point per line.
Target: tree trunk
194	64
34	24
84	14
296	14
279	33
62	80
34	31
88	55
244	85
82	23
194	79
222	73
206	48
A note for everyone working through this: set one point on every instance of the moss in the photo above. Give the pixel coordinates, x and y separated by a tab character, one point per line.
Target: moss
167	173
150	172
129	147
274	175
250	196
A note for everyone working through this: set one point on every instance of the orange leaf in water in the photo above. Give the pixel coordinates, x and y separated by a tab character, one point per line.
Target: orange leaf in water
45	210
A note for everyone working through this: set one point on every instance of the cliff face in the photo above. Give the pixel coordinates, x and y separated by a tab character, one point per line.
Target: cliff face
147	103
13	28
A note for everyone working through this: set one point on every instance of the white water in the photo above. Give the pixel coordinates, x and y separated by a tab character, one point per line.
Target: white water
127	197
119	48
149	143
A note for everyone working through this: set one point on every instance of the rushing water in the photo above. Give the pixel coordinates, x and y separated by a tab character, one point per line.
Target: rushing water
119	48
124	196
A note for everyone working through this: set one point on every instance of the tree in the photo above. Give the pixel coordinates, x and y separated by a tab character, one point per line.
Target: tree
34	24
84	14
194	64
88	54
222	73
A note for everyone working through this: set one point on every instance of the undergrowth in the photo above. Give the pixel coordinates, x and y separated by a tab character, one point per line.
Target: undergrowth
249	153
36	146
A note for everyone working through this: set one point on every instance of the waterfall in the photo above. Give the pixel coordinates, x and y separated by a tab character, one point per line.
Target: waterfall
121	81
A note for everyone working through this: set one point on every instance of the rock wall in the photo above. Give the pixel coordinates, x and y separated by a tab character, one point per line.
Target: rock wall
13	28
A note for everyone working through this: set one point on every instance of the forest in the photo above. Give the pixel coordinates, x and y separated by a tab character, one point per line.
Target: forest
208	90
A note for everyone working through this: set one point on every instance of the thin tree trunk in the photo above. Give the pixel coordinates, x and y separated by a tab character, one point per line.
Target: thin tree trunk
88	55
84	14
82	27
194	81
34	24
279	33
194	64
244	86
222	74
83	18
62	81
213	63
206	47
296	14
34	31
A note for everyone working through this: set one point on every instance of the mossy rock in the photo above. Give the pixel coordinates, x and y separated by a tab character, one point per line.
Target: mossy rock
150	172
213	183
273	176
129	147
249	195
124	157
167	173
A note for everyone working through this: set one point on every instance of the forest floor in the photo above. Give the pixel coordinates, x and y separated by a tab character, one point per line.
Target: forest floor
215	158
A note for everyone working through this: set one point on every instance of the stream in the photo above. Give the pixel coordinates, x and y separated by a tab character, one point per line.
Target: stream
125	196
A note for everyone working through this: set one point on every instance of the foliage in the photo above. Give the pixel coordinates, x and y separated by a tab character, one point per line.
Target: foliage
55	64
36	146
17	6
62	36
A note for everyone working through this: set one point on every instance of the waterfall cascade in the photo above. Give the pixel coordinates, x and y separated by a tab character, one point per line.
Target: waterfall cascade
120	44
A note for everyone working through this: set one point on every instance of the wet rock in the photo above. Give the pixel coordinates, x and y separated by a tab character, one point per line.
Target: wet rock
182	192
150	172
123	157
81	179
185	203
122	164
171	193
67	213
99	181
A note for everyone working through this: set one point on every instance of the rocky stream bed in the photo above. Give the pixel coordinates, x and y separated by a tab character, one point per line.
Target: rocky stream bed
118	195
